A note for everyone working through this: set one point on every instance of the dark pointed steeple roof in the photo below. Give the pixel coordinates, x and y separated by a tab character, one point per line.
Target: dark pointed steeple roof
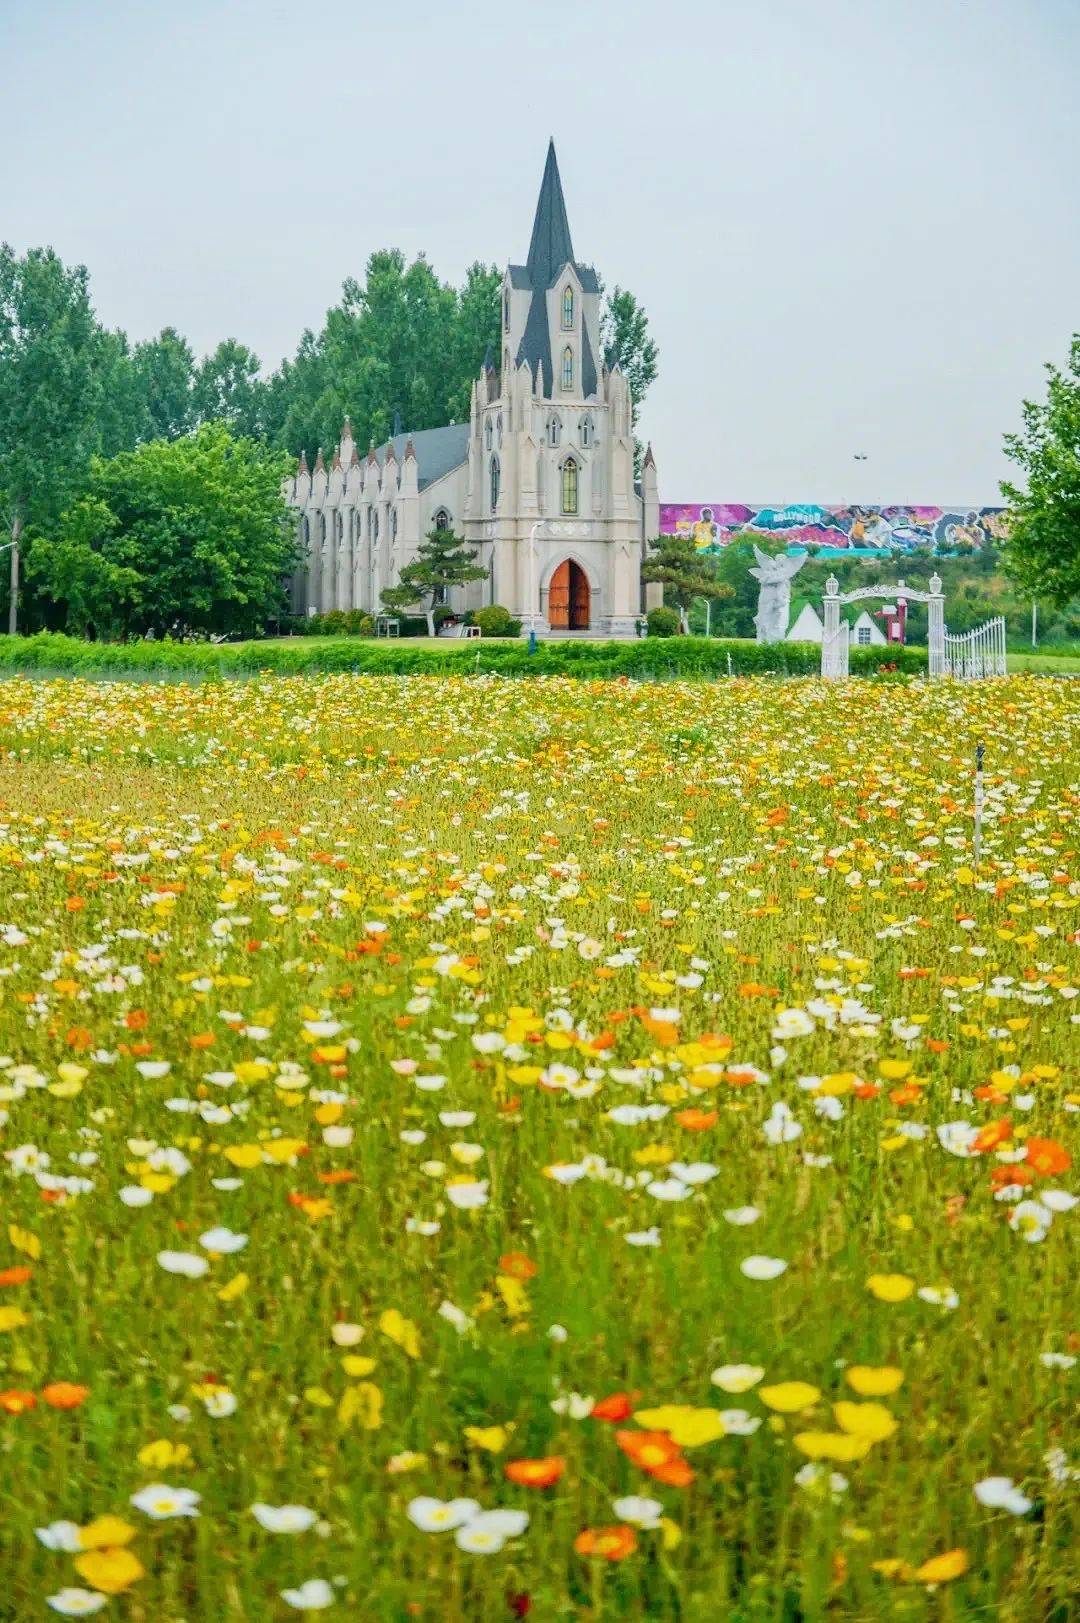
549	251
550	248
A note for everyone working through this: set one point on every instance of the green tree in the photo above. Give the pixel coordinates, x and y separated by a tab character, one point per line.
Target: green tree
1042	548
476	327
226	388
164	369
624	336
51	354
685	572
734	615
177	536
443	560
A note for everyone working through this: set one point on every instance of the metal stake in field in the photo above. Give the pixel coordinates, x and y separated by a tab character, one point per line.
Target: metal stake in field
977	843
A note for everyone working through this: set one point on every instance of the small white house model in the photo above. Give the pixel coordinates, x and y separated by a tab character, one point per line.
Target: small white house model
807	626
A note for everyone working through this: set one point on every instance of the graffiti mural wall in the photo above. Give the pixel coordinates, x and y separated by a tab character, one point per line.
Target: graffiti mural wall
852	530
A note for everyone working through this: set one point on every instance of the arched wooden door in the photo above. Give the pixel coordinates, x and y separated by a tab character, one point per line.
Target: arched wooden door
568	598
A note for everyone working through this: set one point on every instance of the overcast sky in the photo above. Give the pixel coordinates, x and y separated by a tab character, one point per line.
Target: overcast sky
854	224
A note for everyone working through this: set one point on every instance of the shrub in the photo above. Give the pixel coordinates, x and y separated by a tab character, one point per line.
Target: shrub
691	658
663	622
496	621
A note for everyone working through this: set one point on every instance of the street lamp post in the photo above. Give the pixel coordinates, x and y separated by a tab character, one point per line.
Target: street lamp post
532	615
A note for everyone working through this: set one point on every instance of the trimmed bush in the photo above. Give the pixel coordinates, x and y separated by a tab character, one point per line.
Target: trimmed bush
662	622
495	621
649	659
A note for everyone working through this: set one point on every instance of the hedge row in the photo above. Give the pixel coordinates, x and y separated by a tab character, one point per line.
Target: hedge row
657	658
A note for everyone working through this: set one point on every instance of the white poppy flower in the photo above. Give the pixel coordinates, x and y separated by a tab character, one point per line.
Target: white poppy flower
643	1237
468	1196
346	1335
440	1515
736	1377
574	1405
1001	1493
60	1536
76	1602
183	1262
741	1216
153	1069
312	1596
503	1523
457	1118
639	1512
161	1502
696	1172
221	1404
1049	1360
938	1296
780	1127
222	1241
958	1137
667	1189
284	1518
134	1194
455	1316
566	1172
1058	1200
762	1267
791	1023
739	1422
1031	1220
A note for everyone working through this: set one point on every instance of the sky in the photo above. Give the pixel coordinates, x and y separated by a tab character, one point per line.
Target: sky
854	224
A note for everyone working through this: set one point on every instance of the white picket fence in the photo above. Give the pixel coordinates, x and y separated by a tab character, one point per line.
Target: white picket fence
977	653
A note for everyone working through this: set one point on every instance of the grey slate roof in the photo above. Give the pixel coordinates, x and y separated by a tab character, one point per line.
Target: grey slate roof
437	450
550	250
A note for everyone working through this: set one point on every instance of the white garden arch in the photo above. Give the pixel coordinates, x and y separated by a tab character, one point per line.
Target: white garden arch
972	654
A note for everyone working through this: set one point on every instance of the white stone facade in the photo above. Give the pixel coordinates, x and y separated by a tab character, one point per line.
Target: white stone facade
540	481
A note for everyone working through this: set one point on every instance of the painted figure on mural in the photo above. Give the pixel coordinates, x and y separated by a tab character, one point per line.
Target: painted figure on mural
706	531
774	599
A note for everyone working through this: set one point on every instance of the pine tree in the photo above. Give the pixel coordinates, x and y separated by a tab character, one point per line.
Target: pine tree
442	561
685	572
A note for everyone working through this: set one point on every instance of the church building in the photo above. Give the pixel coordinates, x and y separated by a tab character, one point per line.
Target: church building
539	482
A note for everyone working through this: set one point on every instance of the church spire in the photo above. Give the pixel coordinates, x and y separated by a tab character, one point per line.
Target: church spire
550	248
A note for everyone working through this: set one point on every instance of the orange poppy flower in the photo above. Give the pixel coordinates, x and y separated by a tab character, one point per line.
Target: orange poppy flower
18	1275
64	1395
535	1473
609	1543
517	1265
13	1401
136	1020
993	1134
674	1474
1047	1157
618	1406
697	1121
648	1448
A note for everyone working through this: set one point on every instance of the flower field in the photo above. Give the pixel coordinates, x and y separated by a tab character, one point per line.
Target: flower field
479	1149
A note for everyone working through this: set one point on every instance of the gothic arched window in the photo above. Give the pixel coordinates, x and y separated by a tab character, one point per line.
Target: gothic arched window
494	483
498	428
487	435
585	430
506	309
568	308
441	520
568	368
393	524
554	431
569	485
